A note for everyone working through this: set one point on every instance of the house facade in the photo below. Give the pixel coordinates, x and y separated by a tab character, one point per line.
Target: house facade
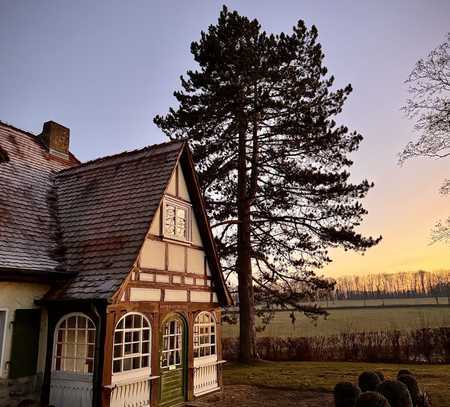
124	288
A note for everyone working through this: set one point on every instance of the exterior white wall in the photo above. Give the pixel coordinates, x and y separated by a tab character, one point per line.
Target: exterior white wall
153	255
182	186
172	187
21	296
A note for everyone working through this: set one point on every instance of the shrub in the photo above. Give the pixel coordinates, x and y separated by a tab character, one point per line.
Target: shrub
396	392
413	387
346	394
383	346
372	399
380	375
368	381
402	372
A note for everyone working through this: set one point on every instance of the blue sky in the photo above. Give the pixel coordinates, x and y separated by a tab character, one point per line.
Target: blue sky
105	68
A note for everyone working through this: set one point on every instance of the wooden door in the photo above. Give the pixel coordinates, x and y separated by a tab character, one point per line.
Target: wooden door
172	363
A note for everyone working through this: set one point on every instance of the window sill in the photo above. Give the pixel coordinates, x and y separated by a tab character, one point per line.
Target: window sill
120	379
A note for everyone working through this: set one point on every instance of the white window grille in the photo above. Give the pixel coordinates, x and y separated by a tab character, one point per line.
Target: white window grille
204	335
74	344
132	343
172	344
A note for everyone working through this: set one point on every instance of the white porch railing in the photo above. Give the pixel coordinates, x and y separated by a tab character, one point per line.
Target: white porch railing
70	389
131	391
205	375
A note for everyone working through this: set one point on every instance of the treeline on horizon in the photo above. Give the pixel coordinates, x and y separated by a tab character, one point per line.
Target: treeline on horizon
419	284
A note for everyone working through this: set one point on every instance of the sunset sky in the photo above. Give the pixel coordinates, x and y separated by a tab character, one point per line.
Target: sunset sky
105	68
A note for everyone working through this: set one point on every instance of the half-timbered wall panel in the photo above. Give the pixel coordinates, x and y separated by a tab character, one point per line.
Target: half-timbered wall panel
153	255
176	257
183	192
195	261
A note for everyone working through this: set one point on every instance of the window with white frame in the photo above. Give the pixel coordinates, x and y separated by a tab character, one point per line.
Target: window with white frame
132	343
74	344
177	220
204	335
172	344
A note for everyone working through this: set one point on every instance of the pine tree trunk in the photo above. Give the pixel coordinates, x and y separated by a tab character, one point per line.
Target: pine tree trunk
247	338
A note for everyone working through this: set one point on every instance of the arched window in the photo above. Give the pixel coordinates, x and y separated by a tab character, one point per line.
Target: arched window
74	344
172	343
132	340
204	335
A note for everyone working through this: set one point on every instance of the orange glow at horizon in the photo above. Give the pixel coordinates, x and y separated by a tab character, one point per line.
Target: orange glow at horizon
403	208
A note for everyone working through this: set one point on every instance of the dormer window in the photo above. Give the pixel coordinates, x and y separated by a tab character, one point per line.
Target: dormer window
177	220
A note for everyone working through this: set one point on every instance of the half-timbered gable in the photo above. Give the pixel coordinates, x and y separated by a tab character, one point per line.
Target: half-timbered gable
172	265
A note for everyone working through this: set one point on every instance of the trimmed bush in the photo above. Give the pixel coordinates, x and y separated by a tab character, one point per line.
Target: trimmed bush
368	381
372	399
413	387
383	346
380	375
402	372
346	394
396	392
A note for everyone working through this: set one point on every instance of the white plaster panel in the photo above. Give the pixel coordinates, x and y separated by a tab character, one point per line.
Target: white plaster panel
145	294
200	296
199	281
182	186
188	280
176	279
153	255
176	257
196	261
196	237
155	228
214	298
171	188
146	277
175	295
162	278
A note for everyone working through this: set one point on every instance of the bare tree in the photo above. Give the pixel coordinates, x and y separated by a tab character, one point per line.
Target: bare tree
429	106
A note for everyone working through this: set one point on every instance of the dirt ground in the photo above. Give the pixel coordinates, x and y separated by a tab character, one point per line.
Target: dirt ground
252	396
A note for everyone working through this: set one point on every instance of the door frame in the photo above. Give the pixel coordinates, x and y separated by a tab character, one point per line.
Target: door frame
185	350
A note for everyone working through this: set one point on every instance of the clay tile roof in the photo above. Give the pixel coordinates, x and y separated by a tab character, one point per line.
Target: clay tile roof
28	242
105	208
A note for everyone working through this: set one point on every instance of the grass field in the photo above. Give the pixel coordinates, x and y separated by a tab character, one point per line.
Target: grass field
354	319
322	376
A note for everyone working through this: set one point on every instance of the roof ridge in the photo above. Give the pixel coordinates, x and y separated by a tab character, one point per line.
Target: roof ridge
27	132
125	153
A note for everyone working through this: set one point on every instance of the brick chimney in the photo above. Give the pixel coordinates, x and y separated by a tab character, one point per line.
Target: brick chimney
56	137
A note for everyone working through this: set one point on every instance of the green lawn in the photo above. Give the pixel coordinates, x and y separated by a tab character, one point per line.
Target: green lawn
353	320
322	376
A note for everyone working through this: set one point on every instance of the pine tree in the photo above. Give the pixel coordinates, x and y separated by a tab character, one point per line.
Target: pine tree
272	162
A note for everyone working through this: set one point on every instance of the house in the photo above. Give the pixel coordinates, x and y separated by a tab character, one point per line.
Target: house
110	284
